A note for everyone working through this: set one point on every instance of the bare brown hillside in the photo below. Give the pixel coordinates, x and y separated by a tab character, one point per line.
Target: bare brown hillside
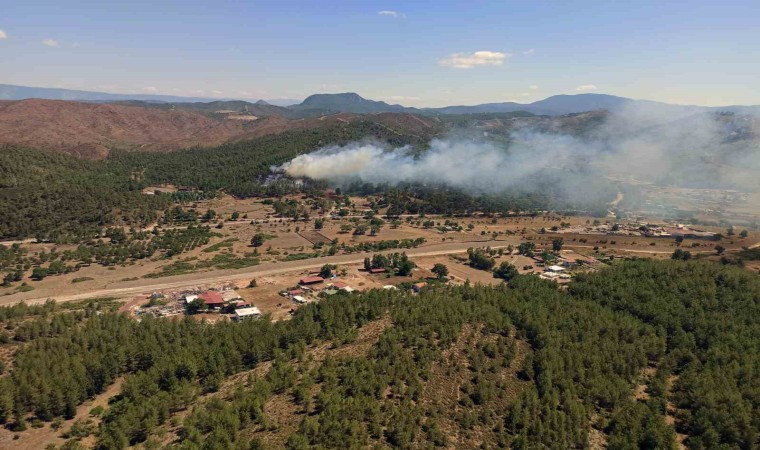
89	130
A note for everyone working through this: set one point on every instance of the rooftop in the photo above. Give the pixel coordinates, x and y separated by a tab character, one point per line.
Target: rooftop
212	298
311	280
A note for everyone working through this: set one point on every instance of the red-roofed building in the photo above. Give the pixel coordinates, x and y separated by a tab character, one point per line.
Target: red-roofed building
212	299
417	287
340	285
311	280
295	292
377	270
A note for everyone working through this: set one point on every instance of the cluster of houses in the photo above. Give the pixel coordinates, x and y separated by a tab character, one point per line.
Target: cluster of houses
556	273
314	286
566	259
636	229
223	300
557	269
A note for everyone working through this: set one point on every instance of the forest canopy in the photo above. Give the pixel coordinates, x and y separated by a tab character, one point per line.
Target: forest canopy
522	365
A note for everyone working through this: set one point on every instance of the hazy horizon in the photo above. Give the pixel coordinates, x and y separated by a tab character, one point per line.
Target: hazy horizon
703	53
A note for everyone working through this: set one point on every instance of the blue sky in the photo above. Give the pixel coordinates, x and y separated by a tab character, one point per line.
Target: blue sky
425	53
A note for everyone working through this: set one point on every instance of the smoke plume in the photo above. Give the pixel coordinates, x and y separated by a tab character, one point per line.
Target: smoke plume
698	150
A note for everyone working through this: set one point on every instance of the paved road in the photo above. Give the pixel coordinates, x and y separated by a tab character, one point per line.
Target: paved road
129	288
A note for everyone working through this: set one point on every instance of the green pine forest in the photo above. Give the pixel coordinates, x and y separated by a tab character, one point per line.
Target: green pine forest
614	359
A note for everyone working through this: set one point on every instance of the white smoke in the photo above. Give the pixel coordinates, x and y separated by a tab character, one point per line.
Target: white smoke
641	144
480	166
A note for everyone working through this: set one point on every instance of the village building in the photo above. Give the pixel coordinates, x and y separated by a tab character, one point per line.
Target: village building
310	280
212	299
246	313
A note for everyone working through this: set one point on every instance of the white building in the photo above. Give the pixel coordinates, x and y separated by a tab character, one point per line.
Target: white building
244	313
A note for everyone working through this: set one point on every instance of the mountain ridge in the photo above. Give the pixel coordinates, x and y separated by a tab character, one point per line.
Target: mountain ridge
323	104
16	92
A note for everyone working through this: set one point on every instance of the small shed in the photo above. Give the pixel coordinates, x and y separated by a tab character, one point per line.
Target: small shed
555	268
299	299
417	287
378	270
190	298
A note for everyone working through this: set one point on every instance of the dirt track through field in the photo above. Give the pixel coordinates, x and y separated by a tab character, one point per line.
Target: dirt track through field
129	288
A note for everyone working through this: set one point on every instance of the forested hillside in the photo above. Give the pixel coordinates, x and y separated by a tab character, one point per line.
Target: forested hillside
520	366
65	199
59	197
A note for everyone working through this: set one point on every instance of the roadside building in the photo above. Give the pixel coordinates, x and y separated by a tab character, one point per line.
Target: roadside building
375	270
417	287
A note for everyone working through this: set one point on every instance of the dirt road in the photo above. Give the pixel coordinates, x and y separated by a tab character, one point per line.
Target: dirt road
130	288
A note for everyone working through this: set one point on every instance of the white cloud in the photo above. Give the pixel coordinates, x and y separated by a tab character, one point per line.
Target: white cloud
217	92
394	14
470	60
50	42
150	89
533	87
586	87
3	35
529	51
525	94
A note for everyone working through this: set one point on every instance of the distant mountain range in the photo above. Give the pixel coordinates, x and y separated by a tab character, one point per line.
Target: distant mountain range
12	92
323	104
551	106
